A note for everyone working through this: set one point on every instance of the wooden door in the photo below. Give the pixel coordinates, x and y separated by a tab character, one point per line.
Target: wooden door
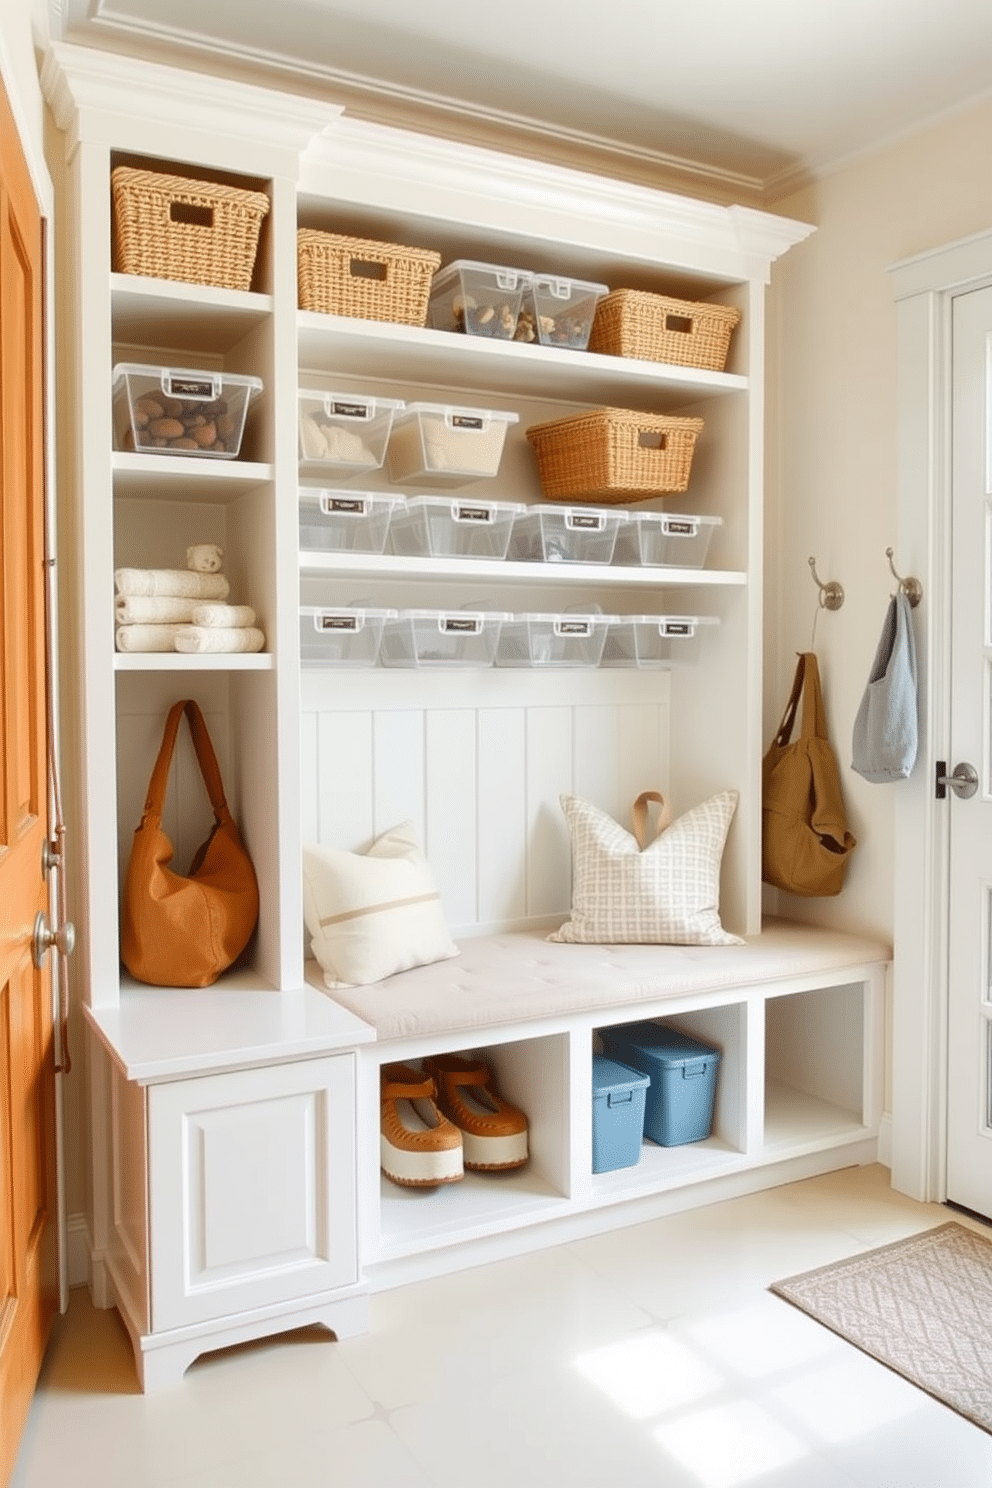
28	1292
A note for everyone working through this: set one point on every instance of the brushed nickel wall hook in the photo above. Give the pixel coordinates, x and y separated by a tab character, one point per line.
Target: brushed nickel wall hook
912	588
831	593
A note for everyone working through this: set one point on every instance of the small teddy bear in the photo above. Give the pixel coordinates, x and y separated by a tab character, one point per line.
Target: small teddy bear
204	558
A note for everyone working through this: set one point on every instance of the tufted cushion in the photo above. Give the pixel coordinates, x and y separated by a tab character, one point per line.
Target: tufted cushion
372	914
667	893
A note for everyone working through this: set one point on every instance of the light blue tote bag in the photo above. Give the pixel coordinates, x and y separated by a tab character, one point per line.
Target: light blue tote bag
886	730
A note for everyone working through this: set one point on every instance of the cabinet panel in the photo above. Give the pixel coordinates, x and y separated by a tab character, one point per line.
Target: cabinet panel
252	1189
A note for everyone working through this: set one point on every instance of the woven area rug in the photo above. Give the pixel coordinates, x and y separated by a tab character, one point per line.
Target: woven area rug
923	1306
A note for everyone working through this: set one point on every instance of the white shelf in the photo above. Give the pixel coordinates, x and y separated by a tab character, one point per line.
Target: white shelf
583	575
177	661
149	312
185	477
329	343
414	1220
795	1120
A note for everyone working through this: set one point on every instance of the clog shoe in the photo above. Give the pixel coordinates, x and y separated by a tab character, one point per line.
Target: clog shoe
418	1146
494	1133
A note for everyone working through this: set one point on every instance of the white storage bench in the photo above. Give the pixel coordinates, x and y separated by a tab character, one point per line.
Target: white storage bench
797	1013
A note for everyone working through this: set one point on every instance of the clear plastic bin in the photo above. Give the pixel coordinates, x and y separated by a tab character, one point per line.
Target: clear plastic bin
434	444
344	521
343	433
558	312
564	640
478	299
341	637
428	639
446	527
665	540
564	534
180	411
655	640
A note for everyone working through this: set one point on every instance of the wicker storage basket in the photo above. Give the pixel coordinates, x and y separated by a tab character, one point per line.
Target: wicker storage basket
199	232
614	455
339	275
655	328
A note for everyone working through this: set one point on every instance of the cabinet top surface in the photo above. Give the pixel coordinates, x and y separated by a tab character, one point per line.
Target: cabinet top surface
167	1033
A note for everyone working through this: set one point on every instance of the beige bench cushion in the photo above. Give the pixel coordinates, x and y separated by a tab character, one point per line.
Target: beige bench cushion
519	977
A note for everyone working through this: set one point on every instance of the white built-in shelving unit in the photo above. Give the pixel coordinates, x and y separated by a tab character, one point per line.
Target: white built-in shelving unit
236	1185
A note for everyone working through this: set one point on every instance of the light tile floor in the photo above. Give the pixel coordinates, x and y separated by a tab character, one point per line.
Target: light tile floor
653	1355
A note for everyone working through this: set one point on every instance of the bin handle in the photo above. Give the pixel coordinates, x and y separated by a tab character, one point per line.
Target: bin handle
695	1071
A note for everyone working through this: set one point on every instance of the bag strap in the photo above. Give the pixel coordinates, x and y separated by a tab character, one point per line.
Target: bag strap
206	759
814	713
805	684
784	731
639	813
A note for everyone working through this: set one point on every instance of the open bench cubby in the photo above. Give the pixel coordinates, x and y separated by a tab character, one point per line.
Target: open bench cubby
795	1013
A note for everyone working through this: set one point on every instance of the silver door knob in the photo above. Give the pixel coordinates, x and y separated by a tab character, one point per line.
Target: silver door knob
963	781
64	938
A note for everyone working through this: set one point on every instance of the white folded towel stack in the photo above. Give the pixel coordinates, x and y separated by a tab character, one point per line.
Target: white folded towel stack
204	639
172	583
178	609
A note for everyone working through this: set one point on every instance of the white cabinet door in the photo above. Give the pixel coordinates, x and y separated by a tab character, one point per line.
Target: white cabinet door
969	1028
252	1189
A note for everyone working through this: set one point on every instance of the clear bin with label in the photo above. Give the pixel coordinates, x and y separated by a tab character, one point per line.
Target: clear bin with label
441	638
655	640
663	539
682	1071
558	312
434	444
341	637
478	299
343	434
446	527
344	521
564	640
618	1097
565	534
180	411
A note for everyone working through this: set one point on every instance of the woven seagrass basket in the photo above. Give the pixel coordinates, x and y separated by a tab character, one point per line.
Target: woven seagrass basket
199	232
340	275
656	328
614	455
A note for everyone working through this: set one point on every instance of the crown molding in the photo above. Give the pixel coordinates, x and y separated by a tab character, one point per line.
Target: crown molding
373	164
89	92
337	156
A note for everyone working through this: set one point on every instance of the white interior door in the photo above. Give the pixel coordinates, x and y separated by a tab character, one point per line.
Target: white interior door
969	1084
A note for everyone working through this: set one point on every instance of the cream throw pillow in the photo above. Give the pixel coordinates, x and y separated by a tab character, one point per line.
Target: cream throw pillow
666	894
372	914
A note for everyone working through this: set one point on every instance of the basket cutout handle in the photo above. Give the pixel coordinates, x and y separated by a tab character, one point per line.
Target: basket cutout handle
680	323
368	268
652	439
191	214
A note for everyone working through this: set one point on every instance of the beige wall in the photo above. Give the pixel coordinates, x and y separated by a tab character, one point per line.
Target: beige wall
831	489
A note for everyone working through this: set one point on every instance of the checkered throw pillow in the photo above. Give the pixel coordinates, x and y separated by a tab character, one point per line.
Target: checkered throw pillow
667	893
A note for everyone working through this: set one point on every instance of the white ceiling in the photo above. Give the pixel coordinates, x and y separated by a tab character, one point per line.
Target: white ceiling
754	92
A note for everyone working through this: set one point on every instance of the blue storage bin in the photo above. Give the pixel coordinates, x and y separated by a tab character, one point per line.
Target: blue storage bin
679	1103
618	1095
